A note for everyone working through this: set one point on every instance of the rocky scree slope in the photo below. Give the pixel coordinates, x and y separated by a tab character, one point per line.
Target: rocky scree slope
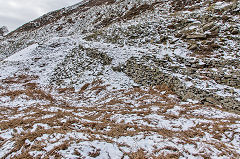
172	61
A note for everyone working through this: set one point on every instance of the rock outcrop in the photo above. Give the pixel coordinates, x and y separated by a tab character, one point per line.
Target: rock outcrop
3	31
160	72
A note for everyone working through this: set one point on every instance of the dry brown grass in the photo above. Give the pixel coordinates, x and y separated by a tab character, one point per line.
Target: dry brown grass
114	102
31	88
32	93
54	151
168	156
31	85
24	155
95	153
98	117
19	79
66	90
13	94
84	87
139	154
39	94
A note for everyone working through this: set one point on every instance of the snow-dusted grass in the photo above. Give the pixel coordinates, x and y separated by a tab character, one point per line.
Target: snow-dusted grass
95	122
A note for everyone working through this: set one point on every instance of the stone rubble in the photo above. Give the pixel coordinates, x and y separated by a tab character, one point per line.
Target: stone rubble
156	74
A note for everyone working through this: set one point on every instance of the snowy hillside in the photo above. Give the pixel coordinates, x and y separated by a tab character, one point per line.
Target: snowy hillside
123	79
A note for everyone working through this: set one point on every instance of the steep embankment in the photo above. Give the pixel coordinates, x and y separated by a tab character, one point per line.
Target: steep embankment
124	78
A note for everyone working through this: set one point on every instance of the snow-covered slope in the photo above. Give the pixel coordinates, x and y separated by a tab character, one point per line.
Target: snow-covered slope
123	79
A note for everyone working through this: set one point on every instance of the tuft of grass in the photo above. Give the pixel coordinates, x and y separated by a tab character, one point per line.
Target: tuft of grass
24	155
95	153
66	90
19	79
56	149
13	94
139	154
39	94
84	87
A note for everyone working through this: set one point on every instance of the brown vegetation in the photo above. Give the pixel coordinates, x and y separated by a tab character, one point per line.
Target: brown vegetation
98	122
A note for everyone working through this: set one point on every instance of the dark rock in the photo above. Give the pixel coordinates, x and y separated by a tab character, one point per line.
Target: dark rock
235	31
197	36
193	47
59	28
119	68
171	26
208	26
3	31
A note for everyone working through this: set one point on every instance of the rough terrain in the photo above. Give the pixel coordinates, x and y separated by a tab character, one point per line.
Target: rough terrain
123	79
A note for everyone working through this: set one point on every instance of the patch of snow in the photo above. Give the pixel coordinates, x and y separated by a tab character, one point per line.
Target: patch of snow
22	55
